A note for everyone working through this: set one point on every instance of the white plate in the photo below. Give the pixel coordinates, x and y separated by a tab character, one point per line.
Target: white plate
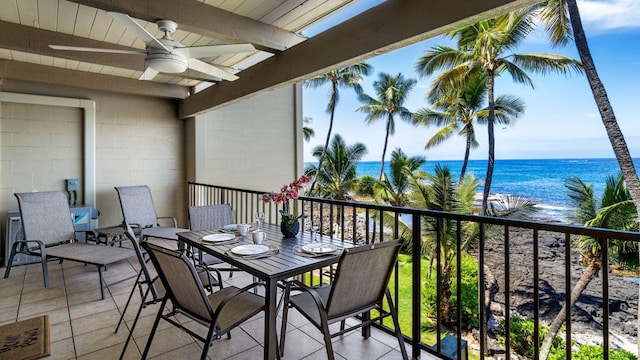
218	237
319	248
249	249
230	227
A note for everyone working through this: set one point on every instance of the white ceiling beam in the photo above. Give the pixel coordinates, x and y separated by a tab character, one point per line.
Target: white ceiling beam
15	70
205	20
386	27
36	41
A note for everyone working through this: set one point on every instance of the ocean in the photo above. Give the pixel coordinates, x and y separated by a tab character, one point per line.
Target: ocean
541	181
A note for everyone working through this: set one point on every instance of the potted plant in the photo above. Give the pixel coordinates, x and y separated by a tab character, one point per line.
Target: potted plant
289	224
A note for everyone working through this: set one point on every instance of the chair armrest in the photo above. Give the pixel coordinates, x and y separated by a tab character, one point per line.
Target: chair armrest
234	294
175	222
17	242
302	287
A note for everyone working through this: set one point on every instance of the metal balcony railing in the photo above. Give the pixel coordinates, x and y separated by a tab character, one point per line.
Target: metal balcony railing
359	222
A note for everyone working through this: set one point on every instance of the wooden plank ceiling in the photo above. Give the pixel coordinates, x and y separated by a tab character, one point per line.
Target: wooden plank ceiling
282	56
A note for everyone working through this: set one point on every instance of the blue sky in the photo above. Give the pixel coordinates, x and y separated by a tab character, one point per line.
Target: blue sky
561	119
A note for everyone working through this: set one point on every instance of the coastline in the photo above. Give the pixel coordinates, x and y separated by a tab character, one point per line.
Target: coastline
542	181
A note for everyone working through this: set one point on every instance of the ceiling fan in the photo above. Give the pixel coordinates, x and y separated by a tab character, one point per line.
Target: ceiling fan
166	55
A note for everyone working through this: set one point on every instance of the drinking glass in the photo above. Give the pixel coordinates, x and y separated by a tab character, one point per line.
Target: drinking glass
314	231
260	219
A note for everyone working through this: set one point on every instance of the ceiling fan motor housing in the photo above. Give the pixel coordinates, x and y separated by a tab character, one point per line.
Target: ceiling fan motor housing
161	61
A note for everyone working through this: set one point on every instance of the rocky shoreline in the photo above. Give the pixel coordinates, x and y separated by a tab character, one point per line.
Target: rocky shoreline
586	319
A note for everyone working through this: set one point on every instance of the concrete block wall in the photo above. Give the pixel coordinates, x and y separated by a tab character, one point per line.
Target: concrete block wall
41	147
139	140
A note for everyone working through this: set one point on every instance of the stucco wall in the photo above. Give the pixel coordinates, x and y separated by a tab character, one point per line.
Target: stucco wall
139	140
253	144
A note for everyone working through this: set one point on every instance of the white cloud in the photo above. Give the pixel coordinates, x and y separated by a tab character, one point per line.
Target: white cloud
610	14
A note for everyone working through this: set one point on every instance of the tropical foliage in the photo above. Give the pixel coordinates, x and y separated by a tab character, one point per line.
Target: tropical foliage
307	130
563	24
441	193
393	189
348	77
616	211
337	177
486	48
391	94
456	109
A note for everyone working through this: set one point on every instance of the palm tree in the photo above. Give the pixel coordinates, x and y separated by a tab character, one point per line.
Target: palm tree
393	190
486	47
350	77
391	94
337	177
616	211
456	108
562	18
442	194
307	131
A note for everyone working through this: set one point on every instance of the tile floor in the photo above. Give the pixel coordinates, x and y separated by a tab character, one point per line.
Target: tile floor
82	325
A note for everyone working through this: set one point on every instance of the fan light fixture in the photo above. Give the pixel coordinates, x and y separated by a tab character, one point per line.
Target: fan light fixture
165	55
167	63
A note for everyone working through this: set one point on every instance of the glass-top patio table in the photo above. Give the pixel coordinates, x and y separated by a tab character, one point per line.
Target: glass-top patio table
288	262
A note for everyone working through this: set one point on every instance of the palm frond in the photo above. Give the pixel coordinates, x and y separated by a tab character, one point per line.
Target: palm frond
548	63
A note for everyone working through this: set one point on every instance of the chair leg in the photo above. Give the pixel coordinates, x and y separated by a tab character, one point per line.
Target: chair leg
396	324
101	282
285	314
45	268
135	321
327	341
10	263
126	306
207	343
154	328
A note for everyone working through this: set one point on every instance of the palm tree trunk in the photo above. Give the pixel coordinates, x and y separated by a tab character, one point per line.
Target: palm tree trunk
491	160
326	142
445	294
384	149
616	138
591	272
614	133
467	152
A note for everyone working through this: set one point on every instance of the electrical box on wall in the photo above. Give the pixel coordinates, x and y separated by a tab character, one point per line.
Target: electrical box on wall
73	185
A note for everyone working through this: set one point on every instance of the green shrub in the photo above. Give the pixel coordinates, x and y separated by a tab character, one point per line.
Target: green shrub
521	335
593	352
365	185
469	294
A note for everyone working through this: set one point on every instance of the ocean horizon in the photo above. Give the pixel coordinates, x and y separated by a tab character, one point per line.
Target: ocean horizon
539	180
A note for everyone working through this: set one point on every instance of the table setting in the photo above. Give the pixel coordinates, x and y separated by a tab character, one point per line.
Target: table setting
240	233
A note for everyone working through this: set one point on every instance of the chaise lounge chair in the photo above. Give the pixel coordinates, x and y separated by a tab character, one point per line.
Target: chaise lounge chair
49	234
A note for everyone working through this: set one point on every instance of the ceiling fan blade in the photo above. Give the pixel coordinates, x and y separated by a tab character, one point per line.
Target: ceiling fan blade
100	50
203	67
214	50
148	74
138	30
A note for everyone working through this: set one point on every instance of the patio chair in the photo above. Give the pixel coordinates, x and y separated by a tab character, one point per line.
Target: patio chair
210	217
139	211
221	311
49	234
360	285
148	285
